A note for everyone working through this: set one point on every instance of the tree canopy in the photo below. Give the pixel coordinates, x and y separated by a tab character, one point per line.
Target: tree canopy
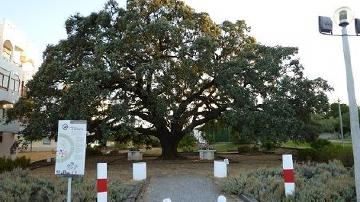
161	69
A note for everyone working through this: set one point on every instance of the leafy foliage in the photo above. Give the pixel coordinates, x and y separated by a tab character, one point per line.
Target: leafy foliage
7	164
327	153
314	182
319	144
19	185
161	69
188	143
330	121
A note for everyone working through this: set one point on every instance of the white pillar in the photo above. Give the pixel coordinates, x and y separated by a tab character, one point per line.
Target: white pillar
139	171
220	169
101	182
288	174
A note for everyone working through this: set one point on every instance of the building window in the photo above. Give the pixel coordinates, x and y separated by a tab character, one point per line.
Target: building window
17	85
14	84
4	79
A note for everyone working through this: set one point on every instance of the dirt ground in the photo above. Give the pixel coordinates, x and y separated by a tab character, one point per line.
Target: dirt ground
36	156
120	168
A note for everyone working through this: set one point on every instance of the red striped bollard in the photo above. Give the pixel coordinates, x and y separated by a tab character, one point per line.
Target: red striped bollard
288	174
101	182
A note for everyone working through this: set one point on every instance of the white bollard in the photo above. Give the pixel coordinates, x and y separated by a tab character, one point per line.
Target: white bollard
220	169
139	171
288	174
101	182
221	198
227	166
167	200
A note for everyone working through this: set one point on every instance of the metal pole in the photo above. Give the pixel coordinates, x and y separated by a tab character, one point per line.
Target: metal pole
341	125
69	190
353	109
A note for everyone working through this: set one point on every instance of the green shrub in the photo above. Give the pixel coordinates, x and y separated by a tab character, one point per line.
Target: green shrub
242	149
93	151
314	182
121	145
7	164
153	142
308	154
187	143
327	153
19	185
21	162
269	146
319	144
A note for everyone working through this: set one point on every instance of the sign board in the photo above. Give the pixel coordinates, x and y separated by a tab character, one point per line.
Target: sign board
71	145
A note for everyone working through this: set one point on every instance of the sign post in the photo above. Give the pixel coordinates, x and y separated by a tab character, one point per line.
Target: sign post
70	151
69	190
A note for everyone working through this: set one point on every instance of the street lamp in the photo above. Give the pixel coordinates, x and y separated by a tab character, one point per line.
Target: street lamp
343	16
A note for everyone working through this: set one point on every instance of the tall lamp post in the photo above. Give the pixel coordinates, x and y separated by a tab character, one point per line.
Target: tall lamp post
343	17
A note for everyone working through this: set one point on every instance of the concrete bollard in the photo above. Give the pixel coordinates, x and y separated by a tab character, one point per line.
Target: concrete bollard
220	169
288	174
221	198
139	171
167	200
101	182
227	166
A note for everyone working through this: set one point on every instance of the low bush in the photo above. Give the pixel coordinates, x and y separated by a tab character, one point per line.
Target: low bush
187	143
269	146
19	185
327	153
7	164
93	151
314	182
121	145
243	149
319	144
153	142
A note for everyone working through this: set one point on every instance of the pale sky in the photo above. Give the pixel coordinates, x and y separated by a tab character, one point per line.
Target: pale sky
275	22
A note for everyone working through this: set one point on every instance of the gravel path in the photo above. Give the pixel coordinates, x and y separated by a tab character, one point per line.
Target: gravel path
181	188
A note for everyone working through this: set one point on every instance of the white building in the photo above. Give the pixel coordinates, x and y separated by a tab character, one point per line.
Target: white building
16	68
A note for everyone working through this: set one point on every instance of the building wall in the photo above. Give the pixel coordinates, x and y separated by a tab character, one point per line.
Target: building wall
17	66
8	140
42	146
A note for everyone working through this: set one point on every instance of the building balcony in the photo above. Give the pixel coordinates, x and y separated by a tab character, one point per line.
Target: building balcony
13	127
9	65
8	97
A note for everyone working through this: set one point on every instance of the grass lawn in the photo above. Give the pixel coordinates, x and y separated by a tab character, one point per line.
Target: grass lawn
225	146
305	145
347	142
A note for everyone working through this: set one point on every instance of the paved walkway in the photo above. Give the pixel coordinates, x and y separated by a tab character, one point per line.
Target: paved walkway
181	188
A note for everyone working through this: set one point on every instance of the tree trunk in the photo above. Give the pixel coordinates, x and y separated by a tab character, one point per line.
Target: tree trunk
169	146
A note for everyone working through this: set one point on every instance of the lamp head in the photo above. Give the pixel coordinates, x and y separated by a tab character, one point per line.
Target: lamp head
325	25
343	16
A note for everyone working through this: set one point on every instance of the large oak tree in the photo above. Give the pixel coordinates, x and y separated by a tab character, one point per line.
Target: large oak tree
161	69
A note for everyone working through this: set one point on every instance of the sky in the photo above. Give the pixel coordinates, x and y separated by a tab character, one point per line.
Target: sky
275	22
